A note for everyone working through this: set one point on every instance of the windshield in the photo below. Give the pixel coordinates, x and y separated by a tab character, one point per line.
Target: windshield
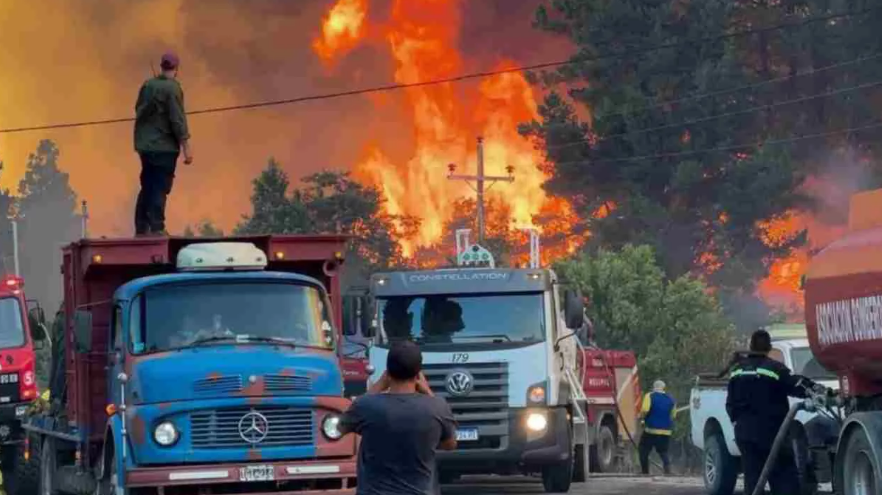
464	319
11	325
805	364
177	316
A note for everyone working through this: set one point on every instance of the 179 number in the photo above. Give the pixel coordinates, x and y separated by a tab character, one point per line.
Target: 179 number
460	357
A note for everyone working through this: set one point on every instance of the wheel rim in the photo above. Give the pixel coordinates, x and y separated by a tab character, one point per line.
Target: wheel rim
710	467
862	480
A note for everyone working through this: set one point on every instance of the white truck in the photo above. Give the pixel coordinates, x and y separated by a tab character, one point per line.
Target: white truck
501	346
713	433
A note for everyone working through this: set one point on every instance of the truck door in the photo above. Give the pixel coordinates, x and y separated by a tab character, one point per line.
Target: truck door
115	356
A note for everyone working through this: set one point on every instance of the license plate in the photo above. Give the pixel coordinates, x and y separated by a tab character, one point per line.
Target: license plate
467	435
257	473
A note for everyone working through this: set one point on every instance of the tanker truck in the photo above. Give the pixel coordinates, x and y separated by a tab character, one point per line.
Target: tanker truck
843	311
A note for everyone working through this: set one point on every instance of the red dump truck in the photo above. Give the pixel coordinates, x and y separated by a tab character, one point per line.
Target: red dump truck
196	366
843	311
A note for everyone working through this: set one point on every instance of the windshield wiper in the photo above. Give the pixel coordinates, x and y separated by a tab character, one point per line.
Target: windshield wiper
269	340
208	340
497	338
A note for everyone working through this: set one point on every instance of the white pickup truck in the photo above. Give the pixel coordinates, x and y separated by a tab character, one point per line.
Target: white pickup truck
712	431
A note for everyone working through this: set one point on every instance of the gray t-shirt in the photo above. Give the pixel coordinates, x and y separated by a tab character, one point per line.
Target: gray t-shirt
399	435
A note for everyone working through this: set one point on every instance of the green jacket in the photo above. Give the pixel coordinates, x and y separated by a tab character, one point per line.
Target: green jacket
160	120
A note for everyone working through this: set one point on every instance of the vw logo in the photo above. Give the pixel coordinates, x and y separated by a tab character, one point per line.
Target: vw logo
253	427
460	383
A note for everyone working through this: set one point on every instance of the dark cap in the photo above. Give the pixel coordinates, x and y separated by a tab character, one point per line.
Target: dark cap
169	61
405	361
761	342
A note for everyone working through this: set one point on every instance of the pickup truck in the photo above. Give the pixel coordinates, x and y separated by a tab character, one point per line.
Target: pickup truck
713	433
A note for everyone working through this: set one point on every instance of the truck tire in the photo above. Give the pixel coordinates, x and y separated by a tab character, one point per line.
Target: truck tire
720	468
109	484
603	452
580	471
8	461
557	478
25	480
47	468
808	485
860	467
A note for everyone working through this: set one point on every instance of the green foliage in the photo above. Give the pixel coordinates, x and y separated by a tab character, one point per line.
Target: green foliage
7	206
676	328
205	228
328	202
693	206
46	208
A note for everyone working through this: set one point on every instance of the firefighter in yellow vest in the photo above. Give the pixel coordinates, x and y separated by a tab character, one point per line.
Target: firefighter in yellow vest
658	412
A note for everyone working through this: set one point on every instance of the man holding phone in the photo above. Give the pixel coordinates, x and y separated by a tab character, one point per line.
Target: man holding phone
401	424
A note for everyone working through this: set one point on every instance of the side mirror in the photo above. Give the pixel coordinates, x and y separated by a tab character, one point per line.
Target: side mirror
574	309
83	331
37	323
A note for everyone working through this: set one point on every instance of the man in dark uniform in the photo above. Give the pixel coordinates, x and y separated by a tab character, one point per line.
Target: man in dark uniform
757	403
161	134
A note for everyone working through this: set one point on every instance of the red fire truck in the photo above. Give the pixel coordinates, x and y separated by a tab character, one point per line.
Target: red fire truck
18	378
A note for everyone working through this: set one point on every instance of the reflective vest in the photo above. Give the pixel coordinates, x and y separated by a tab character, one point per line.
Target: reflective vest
658	410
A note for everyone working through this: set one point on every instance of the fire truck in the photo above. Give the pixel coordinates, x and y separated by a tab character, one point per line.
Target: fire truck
22	329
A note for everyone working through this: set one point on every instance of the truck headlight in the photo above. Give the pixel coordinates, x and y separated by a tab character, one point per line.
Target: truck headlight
165	434
537	422
331	427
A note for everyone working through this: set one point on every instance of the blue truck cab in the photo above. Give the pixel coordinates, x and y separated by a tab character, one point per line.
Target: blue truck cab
220	374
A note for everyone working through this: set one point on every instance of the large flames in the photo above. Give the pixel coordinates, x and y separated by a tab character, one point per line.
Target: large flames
421	36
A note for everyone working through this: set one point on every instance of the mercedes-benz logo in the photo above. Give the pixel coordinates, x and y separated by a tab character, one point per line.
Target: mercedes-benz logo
253	427
460	383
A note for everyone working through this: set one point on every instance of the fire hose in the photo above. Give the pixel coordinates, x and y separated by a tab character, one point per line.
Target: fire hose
615	397
815	401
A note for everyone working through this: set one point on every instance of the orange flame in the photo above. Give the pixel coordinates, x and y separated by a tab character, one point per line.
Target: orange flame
342	28
422	39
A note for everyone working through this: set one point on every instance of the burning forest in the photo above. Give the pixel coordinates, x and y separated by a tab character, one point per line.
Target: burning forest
408	141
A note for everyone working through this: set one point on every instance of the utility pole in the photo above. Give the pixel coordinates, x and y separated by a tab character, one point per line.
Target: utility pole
85	218
15	245
479	180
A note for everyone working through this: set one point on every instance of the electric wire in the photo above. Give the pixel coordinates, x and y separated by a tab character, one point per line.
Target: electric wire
454	79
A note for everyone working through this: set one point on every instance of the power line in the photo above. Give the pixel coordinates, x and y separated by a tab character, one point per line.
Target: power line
735	147
701	96
721	116
459	78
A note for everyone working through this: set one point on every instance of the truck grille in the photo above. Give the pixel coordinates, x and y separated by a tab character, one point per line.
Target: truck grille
9	388
286	383
219	428
218	385
485	407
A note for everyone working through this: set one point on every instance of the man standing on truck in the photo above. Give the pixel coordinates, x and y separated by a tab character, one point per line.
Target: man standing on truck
161	133
757	403
658	416
401	424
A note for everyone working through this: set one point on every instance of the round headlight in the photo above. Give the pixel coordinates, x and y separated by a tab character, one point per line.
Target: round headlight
331	427
165	434
537	422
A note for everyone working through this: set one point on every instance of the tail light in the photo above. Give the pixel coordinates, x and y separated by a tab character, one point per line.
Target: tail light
28	383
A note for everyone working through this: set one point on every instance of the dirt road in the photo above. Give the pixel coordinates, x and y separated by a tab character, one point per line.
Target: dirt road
600	486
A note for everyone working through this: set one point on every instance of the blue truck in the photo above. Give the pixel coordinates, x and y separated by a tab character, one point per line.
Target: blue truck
195	366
